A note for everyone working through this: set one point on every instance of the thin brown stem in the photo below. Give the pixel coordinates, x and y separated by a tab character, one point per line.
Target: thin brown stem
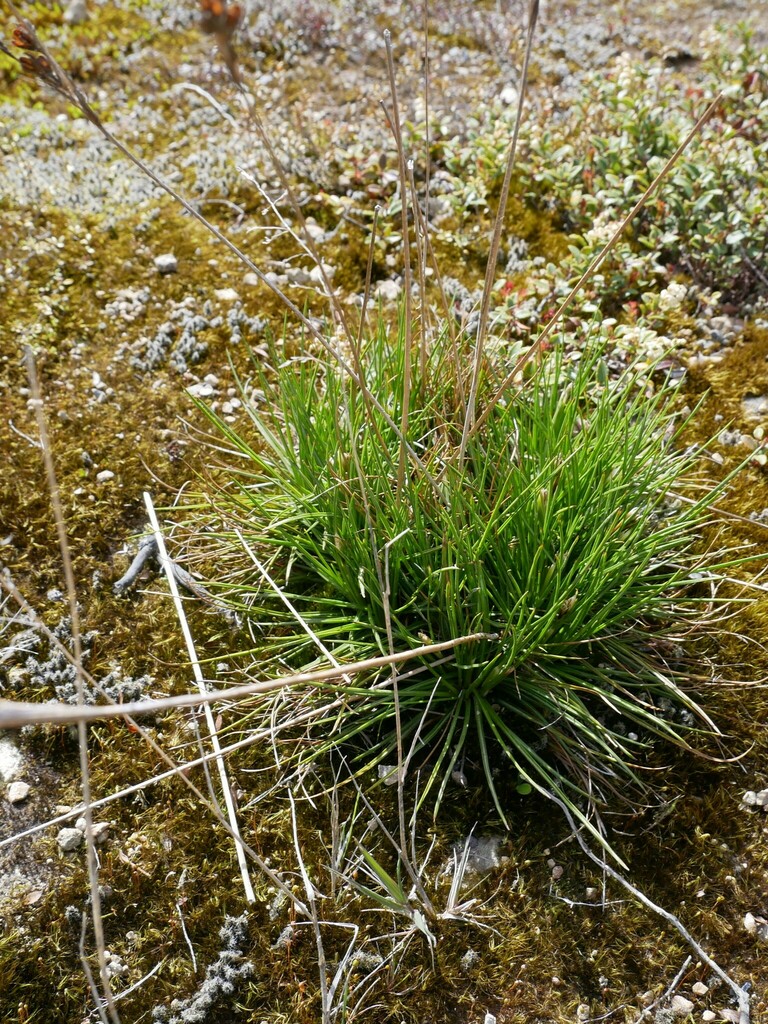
394	122
493	256
82	728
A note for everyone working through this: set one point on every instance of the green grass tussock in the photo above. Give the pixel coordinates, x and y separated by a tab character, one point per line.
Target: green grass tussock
561	537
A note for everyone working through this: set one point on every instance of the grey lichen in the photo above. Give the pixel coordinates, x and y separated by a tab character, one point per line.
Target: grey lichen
222	978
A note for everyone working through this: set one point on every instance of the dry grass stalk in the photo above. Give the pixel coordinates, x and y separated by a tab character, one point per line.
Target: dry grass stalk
198	674
493	256
82	729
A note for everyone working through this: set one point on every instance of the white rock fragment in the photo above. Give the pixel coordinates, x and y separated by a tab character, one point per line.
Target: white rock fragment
76	12
755	799
509	96
681	1006
298	275
316	274
201	390
750	924
557	872
489	1019
10	756
387	291
69	839
167	263
251	279
17	792
314	230
699	988
226	294
104	476
708	1016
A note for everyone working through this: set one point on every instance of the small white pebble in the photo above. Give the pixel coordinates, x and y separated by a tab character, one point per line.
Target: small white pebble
759	433
699	988
17	792
681	1006
226	294
167	263
750	924
69	839
708	1016
104	476
200	391
557	872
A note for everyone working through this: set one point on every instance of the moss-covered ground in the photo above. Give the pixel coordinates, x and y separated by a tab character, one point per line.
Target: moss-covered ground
79	233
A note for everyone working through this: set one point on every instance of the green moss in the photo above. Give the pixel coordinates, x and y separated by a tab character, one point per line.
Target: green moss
165	856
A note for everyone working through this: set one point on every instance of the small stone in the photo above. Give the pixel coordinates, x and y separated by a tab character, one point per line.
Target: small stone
750	924
10	755
76	12
17	792
201	390
708	1015
226	294
699	988
508	96
104	476
316	274
583	1013
298	275
314	230
251	279
69	839
557	872
100	830
388	291
167	263
681	1006
591	893
489	1019
730	1015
